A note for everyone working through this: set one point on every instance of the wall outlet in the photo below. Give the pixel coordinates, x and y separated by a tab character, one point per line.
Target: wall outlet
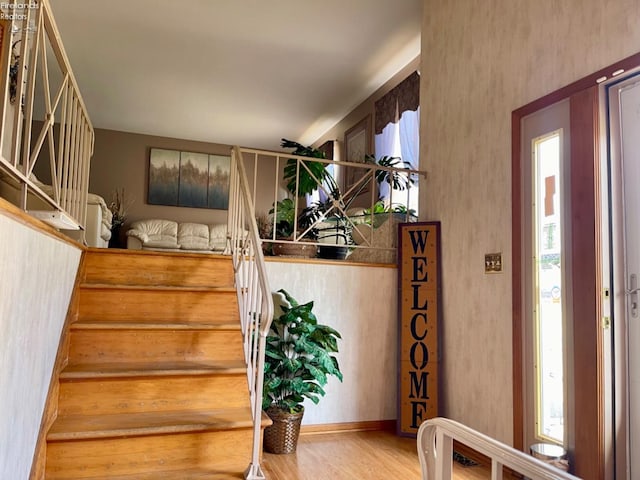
493	263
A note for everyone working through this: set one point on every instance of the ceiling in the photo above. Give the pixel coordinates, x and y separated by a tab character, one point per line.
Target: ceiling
238	72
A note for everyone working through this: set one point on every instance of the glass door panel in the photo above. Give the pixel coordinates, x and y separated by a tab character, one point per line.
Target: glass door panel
548	305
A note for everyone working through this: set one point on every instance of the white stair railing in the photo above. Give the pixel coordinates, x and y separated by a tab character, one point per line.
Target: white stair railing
435	449
40	60
263	164
254	294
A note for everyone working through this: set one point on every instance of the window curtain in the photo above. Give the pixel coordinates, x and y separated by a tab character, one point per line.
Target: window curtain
386	144
409	133
397	125
405	96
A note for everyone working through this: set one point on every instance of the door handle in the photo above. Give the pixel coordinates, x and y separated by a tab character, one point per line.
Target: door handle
632	291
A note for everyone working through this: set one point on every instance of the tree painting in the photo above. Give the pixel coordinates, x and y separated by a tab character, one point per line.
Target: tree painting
188	179
164	171
194	172
219	170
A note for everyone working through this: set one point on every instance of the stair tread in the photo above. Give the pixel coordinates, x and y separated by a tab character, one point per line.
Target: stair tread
152	324
126	286
151	368
190	474
84	427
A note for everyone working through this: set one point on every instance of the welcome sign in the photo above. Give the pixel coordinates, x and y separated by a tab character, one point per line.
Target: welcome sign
418	305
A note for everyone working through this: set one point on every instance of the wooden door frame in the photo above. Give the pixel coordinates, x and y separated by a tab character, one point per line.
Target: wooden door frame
588	456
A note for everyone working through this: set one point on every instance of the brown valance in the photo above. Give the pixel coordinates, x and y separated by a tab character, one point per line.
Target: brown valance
405	96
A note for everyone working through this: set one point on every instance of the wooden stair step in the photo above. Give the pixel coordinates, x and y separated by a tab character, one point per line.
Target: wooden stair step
159	303
190	474
136	456
156	288
83	427
136	267
142	345
149	369
111	395
152	324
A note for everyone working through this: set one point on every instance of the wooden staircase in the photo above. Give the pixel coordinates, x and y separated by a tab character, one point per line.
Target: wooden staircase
155	386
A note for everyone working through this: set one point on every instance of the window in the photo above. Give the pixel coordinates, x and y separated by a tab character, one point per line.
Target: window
548	392
397	127
548	303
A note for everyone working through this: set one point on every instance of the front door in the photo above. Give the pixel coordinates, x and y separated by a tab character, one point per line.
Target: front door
624	108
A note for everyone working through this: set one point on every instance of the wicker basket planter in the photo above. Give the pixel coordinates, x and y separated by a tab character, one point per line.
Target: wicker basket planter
282	436
300	250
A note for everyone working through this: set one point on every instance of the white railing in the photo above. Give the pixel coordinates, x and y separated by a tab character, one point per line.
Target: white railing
254	294
40	86
269	187
435	449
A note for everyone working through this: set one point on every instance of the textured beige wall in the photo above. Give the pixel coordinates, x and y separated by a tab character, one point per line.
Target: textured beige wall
38	274
342	296
480	61
121	159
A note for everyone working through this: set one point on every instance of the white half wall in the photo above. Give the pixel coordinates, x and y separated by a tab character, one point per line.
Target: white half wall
360	303
37	275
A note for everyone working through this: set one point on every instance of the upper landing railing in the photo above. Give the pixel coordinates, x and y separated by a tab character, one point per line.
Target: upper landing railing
345	208
42	114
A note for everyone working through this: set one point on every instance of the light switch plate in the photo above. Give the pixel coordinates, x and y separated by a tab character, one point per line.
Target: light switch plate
493	263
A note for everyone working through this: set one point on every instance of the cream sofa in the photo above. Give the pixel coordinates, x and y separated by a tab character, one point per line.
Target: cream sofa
170	236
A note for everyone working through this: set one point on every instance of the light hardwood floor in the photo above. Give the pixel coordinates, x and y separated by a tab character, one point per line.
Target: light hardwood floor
377	455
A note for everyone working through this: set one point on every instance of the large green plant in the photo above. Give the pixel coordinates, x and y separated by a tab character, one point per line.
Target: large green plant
305	179
298	356
285	215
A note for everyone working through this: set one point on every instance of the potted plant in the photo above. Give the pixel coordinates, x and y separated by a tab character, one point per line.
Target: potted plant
118	208
283	213
298	362
334	227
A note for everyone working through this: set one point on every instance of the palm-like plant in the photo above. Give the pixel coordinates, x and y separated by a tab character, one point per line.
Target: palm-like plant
298	356
312	175
397	179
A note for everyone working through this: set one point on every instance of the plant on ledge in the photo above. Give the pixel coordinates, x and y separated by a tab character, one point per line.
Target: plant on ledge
298	362
329	217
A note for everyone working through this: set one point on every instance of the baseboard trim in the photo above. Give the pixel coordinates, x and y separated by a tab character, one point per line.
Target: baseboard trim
373	425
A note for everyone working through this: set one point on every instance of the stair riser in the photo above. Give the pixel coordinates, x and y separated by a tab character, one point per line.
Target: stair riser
228	450
145	269
162	306
157	394
123	345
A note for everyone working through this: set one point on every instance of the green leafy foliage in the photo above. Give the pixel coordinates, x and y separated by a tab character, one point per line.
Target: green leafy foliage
305	179
298	358
398	180
285	214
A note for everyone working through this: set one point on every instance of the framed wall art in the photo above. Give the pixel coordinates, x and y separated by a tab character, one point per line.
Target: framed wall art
357	144
188	179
